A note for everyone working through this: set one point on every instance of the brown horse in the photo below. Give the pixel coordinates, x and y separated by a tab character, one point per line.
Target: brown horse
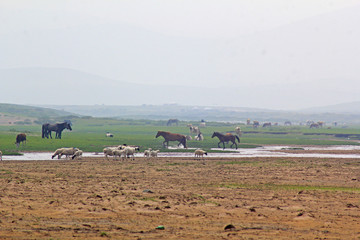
226	138
168	136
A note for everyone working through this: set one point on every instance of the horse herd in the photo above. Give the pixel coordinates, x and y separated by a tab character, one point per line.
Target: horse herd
223	138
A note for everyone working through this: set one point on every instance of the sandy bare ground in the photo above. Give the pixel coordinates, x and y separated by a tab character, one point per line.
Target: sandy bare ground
263	198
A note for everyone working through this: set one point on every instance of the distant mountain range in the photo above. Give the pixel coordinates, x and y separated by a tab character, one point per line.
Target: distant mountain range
208	113
182	112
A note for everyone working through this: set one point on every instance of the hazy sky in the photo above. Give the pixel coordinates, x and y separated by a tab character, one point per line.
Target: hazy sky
185	18
248	43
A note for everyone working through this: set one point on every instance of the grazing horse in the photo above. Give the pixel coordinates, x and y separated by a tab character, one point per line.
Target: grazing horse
314	125
287	123
171	121
226	138
267	124
168	136
47	128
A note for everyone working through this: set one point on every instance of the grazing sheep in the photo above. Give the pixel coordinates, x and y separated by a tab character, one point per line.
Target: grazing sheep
109	134
108	151
64	151
0	155
154	153
147	152
77	154
200	153
202	124
119	152
130	151
21	137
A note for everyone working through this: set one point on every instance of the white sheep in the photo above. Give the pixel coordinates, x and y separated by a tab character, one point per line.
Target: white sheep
130	151
77	154
108	151
119	152
108	134
147	152
154	153
64	151
200	153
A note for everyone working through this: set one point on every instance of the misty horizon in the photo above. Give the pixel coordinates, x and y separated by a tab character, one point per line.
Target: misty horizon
286	55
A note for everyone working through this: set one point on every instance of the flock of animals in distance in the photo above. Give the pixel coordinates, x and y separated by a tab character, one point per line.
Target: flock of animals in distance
124	151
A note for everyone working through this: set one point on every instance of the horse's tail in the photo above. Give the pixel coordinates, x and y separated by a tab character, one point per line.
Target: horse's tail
43	131
237	138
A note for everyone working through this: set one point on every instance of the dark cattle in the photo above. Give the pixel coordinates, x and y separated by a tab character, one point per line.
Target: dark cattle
267	124
21	137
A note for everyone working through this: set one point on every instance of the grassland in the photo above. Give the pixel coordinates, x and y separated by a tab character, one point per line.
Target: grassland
89	135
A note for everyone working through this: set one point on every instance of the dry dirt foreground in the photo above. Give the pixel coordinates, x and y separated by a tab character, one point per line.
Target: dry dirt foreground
263	198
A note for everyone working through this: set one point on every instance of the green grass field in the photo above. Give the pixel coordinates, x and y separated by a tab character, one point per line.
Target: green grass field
89	135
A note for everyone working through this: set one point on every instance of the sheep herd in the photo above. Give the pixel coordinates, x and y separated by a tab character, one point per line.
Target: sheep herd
119	152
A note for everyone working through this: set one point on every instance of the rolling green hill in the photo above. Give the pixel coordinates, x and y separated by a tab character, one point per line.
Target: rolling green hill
21	114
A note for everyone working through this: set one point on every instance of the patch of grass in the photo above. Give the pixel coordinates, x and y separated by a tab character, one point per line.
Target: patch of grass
5	171
163	169
11	153
147	199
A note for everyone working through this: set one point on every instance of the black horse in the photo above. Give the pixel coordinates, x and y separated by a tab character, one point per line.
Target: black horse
226	138
47	128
